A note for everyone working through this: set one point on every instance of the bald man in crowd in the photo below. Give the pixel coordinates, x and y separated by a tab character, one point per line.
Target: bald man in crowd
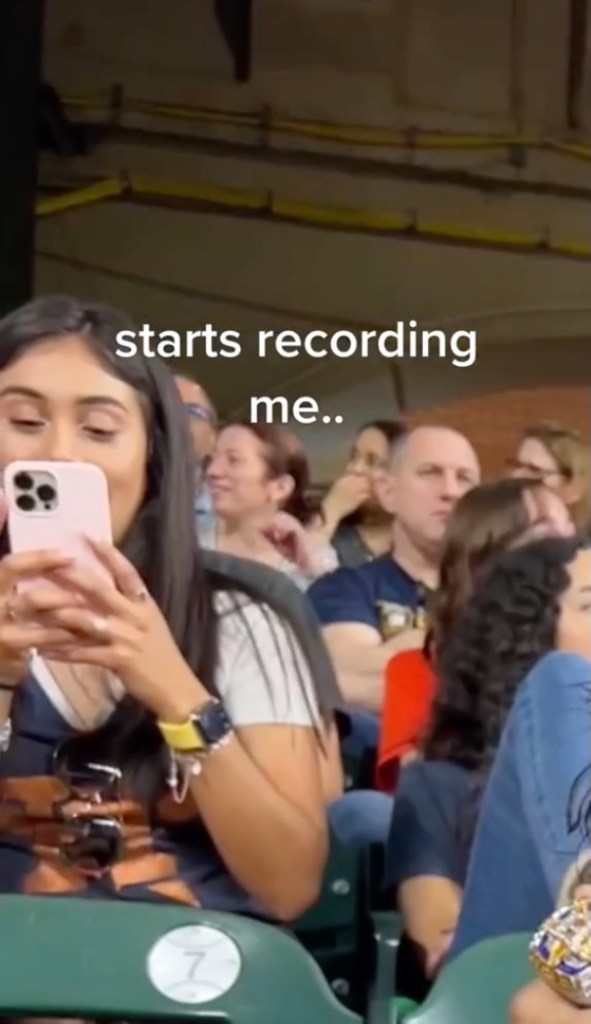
373	612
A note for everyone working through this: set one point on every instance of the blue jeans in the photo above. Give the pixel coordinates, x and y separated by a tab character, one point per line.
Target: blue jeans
365	728
361	817
527	837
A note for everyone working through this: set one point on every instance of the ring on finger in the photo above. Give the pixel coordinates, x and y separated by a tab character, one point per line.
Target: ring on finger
100	625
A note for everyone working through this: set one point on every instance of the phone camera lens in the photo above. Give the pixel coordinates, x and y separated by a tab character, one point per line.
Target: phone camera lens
25	502
24	482
46	493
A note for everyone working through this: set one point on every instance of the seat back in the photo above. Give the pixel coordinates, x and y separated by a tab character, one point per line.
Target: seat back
478	987
87	959
341	898
274	588
334	930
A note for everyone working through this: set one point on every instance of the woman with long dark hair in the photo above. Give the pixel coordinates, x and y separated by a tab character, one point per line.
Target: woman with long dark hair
353	518
489	519
161	737
530	833
519	612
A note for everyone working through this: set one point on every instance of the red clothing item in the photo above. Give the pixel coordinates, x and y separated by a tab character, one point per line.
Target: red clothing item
409	693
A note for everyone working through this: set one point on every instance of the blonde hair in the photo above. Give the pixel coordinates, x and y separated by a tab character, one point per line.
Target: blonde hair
573	458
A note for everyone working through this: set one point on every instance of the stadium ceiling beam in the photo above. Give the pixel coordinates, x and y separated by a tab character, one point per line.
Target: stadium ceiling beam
234	18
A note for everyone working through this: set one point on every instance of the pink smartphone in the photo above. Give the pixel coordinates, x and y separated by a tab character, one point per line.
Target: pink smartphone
56	505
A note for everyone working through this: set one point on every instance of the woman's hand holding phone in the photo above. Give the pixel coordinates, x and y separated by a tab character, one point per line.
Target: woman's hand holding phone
85	604
121	628
21	628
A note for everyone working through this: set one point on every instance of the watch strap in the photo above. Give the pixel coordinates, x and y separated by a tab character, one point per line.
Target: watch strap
184	737
207	728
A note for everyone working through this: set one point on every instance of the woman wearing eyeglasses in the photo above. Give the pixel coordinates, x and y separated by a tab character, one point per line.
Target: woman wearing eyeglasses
161	739
562	460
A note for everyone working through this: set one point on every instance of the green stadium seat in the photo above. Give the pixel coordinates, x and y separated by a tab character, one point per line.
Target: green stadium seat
336	931
131	961
387	931
477	988
338	907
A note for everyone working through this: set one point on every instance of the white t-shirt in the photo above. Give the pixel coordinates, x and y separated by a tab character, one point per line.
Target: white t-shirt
262	675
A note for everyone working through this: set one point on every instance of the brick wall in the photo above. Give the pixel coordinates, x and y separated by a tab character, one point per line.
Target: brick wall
494	422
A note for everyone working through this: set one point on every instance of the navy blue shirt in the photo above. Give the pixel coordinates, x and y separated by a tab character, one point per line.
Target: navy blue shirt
428	823
351	549
378	594
167	854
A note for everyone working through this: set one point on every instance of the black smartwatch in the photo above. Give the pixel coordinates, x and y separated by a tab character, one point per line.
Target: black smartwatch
213	724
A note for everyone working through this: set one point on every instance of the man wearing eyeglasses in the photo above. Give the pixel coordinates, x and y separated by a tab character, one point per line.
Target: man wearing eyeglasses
203	426
202	417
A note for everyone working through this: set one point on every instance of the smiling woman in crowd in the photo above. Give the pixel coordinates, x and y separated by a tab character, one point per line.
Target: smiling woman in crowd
259	481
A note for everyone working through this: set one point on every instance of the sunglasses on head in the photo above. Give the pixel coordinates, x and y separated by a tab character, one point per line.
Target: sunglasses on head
91	841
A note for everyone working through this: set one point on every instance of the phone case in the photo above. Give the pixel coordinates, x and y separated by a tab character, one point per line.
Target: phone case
82	510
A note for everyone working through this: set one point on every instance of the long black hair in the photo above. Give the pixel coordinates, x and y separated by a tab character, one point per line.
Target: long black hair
507	626
579	806
488	520
162	542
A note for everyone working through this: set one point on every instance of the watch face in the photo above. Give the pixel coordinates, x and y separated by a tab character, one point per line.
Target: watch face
213	723
194	964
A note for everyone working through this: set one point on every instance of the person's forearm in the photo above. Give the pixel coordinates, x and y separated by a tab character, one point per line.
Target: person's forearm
269	846
431	907
365	660
323	530
331	518
362	691
361	671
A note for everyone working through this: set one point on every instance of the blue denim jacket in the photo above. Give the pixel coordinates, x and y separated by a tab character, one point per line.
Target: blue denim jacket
526	841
